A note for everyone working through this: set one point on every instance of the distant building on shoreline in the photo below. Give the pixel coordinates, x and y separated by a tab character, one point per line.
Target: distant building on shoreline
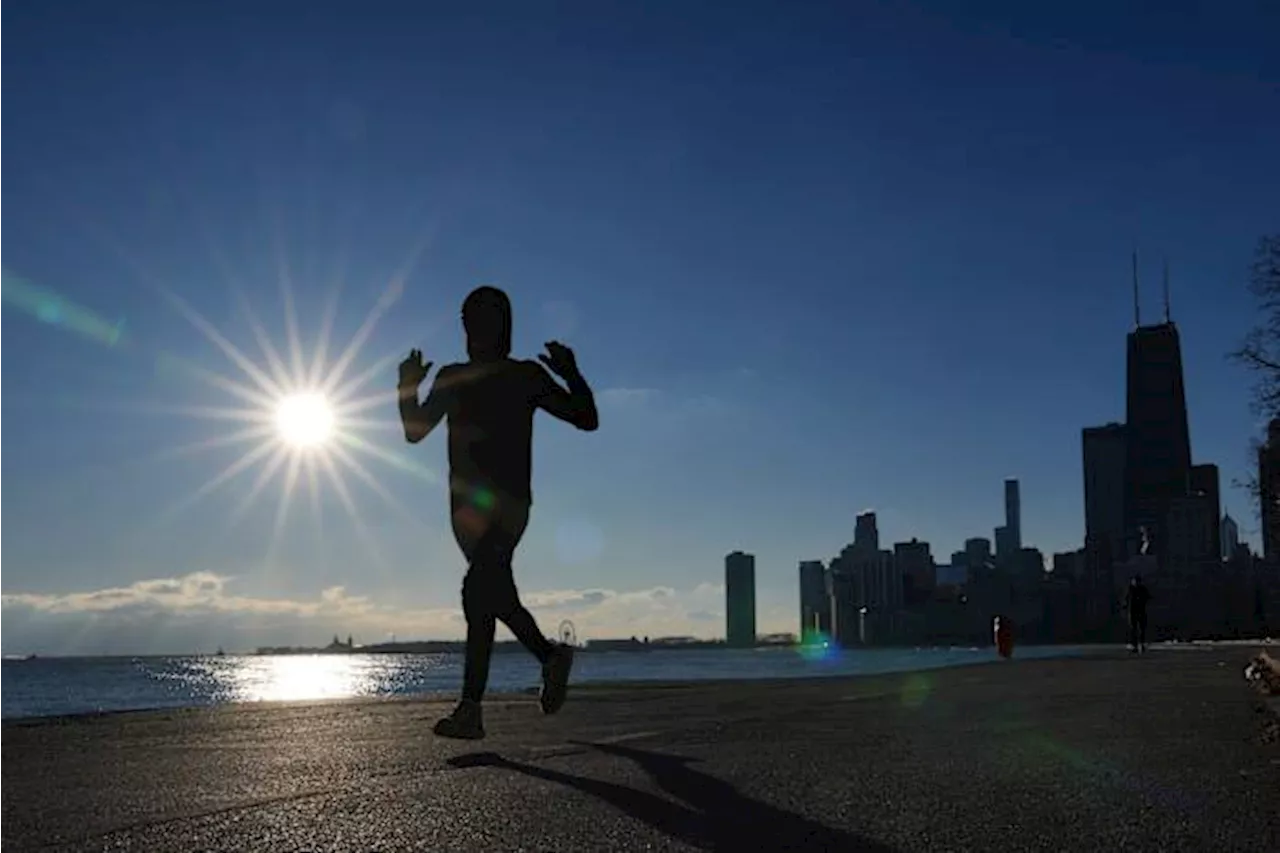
740	599
815	599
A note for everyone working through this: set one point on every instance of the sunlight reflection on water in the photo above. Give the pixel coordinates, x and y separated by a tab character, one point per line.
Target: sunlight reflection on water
48	686
290	679
301	678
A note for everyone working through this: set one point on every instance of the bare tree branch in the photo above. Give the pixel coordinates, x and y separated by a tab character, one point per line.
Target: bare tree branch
1260	349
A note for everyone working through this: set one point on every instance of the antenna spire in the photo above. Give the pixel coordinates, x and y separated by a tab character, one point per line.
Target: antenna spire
1166	290
1137	321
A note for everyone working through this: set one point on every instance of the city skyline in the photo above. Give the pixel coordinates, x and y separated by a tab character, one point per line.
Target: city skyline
1149	510
812	260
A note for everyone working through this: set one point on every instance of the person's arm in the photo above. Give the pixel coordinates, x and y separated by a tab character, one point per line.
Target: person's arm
576	406
419	419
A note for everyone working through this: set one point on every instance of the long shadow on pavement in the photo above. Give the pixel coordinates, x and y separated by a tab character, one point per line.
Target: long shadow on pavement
717	816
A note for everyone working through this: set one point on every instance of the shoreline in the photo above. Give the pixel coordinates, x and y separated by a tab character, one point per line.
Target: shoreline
513	647
1098	652
492	697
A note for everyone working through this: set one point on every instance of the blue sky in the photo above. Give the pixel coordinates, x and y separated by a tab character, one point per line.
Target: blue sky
814	258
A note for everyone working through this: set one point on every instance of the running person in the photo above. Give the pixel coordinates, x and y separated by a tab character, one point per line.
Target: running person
1136	602
490	401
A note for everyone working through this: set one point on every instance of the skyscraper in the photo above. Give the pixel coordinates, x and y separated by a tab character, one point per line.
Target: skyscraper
1004	546
1229	537
1191	535
1104	491
866	537
847	597
1013	513
914	564
1158	446
977	556
1204	481
815	603
740	599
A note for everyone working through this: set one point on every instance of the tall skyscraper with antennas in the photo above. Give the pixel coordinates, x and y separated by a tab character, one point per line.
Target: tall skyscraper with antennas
1158	445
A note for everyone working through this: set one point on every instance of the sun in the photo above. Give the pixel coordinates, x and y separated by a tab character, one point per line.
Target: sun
307	419
304	420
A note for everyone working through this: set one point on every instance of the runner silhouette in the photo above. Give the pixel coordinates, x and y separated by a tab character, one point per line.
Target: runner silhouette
1136	599
490	401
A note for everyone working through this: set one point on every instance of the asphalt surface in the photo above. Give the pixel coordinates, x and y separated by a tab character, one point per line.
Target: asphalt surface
1162	752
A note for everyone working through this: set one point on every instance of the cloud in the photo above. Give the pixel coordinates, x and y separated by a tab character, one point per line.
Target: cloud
199	592
202	611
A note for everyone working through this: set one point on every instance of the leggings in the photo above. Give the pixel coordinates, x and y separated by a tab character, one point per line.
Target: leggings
488	533
1137	629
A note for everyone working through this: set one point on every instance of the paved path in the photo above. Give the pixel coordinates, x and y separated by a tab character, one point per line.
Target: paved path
1154	753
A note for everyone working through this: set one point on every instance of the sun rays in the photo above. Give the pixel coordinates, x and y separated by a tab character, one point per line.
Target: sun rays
304	417
302	421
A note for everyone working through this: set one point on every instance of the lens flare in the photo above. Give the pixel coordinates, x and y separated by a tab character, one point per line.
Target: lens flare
55	310
817	646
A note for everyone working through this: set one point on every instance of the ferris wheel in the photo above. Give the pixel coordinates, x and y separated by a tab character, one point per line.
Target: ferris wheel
568	635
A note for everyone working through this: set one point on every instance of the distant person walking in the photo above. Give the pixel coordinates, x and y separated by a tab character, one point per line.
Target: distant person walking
490	401
1135	602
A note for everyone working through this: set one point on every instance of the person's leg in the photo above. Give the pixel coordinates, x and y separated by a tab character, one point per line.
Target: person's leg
481	624
471	529
1142	633
556	658
525	628
477	532
513	522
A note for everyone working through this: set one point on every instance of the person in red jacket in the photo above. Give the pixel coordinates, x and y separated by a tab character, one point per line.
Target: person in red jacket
490	401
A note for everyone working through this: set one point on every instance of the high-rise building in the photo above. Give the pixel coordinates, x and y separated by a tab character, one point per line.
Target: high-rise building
913	562
815	603
1158	445
885	598
1069	564
848	596
866	537
864	584
1104	452
857	581
1029	566
1004	546
1204	481
1269	492
890	582
977	555
1013	513
1228	537
1191	533
740	599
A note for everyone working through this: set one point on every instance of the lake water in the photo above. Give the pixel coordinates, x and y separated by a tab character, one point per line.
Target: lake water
56	686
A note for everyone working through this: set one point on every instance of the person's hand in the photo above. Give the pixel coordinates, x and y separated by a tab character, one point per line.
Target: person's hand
413	370
559	360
